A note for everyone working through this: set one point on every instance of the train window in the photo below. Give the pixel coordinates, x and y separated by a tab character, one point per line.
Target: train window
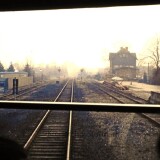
42	50
66	88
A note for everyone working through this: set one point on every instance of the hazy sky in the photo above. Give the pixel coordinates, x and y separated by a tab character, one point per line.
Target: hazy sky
80	36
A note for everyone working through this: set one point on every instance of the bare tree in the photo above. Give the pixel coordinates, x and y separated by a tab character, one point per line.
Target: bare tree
155	58
155	54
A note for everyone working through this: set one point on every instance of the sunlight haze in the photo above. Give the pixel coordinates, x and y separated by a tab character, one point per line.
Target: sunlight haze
79	36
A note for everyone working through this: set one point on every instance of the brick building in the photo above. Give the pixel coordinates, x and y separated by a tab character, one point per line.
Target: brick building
123	64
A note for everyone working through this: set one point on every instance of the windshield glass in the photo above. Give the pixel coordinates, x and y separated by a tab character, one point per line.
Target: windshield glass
108	57
112	54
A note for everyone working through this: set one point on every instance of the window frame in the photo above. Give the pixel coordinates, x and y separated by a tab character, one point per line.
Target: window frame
23	5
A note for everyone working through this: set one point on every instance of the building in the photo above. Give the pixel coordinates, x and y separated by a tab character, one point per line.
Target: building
123	64
6	79
13	74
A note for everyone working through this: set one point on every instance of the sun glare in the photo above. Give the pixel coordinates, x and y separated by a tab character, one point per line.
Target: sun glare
77	36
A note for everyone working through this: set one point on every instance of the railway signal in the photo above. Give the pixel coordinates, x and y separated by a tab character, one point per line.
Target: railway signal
15	86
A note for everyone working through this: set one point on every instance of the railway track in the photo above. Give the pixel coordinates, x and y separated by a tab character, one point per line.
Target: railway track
23	91
136	99
119	96
153	118
52	137
123	98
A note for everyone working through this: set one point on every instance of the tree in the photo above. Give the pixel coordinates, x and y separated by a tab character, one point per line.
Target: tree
11	68
28	69
153	60
1	68
155	55
145	77
156	59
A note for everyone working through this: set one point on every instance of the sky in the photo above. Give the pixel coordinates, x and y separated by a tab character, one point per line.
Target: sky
83	37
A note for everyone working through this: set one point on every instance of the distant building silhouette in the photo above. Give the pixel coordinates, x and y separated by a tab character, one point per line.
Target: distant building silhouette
123	64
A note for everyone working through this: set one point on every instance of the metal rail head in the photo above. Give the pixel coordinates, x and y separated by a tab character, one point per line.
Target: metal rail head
103	90
120	93
72	91
70	125
61	91
26	146
150	119
127	96
28	143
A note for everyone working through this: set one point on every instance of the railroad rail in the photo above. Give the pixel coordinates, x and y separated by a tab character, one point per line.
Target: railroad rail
23	91
136	99
117	95
153	118
52	137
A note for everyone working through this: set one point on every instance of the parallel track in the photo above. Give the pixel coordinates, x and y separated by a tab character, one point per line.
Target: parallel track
136	99
117	95
153	118
23	91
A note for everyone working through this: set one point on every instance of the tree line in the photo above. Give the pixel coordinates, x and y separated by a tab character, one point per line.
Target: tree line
11	68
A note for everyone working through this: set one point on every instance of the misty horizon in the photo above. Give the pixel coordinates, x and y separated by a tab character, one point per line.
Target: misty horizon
76	38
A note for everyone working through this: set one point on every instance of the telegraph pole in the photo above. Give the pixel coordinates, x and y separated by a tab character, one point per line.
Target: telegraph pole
59	70
148	74
81	73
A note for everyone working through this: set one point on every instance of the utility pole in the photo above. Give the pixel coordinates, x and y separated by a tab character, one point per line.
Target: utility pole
41	78
148	74
59	70
81	73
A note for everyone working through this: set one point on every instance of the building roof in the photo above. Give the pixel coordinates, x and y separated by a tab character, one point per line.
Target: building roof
126	68
121	51
14	73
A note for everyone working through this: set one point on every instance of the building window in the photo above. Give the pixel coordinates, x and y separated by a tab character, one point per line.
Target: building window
116	66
